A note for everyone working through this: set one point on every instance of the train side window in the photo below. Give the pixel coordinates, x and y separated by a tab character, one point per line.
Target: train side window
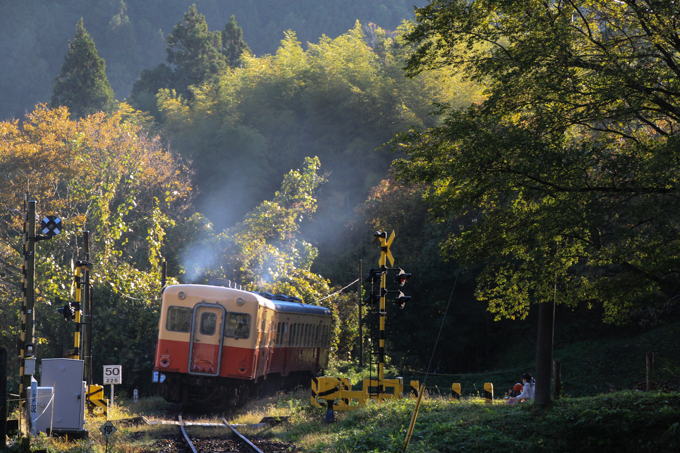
306	335
316	336
208	323
238	325
179	319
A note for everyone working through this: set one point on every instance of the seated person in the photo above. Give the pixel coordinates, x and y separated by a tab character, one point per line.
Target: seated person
516	390
527	390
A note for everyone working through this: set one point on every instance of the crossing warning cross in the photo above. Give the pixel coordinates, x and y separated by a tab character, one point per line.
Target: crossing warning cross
50	225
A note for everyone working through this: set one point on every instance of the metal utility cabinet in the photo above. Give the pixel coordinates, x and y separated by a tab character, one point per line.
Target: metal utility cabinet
66	377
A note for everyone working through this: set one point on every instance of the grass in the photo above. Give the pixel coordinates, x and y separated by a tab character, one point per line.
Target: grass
603	418
627	421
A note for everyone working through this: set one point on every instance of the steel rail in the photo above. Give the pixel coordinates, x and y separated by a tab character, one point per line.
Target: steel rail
186	436
250	444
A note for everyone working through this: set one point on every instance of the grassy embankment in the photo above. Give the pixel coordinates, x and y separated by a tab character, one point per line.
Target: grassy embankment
616	421
625	421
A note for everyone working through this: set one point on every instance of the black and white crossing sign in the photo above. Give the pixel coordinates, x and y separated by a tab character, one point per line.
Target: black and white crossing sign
50	225
108	429
113	374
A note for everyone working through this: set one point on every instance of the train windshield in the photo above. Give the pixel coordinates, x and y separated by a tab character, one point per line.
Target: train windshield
179	319
238	325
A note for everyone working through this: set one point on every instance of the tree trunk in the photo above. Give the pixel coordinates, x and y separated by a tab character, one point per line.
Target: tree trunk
544	353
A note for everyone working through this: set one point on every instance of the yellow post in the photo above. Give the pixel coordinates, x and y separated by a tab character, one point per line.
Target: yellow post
488	393
78	294
414	417
385	254
415	385
455	391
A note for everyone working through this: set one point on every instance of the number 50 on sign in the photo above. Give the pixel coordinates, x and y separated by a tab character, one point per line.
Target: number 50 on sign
113	374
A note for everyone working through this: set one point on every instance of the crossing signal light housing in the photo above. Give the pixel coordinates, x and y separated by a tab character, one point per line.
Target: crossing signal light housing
68	311
379	234
401	277
401	300
374	275
372	299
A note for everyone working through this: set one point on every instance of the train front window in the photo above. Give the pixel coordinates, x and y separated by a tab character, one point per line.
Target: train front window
208	323
238	325
179	319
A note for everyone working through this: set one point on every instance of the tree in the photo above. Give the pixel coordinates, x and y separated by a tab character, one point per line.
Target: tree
233	45
100	174
82	85
194	51
564	178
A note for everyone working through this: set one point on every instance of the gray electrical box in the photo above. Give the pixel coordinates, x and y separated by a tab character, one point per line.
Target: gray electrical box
41	408
65	376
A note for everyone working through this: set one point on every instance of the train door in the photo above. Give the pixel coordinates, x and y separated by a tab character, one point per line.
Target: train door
262	346
317	344
205	352
285	340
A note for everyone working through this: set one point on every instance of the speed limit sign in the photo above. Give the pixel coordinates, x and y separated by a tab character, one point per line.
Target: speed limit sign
113	374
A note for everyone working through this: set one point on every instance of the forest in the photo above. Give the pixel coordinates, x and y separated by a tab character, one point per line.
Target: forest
524	154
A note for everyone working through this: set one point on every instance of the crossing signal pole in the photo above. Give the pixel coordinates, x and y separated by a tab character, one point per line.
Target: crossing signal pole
378	298
49	227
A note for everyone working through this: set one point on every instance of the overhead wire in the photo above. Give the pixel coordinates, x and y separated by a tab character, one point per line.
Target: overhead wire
441	327
338	291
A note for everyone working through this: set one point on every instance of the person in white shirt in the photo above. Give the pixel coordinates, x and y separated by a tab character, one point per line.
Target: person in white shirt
527	390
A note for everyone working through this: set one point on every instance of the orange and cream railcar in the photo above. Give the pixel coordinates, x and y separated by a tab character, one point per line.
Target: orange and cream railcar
219	346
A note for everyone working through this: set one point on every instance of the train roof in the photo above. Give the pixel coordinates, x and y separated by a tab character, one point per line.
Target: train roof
292	305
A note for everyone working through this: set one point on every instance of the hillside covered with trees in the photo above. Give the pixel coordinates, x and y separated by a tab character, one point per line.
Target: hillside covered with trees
524	154
130	34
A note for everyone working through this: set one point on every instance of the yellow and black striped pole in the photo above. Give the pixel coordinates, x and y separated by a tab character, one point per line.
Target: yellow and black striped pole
455	391
385	254
27	303
488	393
78	298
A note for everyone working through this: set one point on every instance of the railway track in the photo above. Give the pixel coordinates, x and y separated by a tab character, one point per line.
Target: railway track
228	443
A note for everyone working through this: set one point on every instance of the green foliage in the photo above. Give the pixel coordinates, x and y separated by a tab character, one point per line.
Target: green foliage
560	179
233	45
82	85
338	99
194	51
102	175
626	421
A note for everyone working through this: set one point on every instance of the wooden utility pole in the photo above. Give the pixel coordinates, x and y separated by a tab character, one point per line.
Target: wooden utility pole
3	402
557	379
650	371
87	312
26	342
361	322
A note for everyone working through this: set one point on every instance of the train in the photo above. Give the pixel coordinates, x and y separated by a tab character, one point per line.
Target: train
219	346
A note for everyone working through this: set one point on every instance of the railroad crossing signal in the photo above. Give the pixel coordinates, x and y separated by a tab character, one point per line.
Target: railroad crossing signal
50	225
381	238
68	311
401	276
401	300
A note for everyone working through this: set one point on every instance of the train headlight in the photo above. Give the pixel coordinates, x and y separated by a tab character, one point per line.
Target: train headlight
181	295
240	301
165	361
